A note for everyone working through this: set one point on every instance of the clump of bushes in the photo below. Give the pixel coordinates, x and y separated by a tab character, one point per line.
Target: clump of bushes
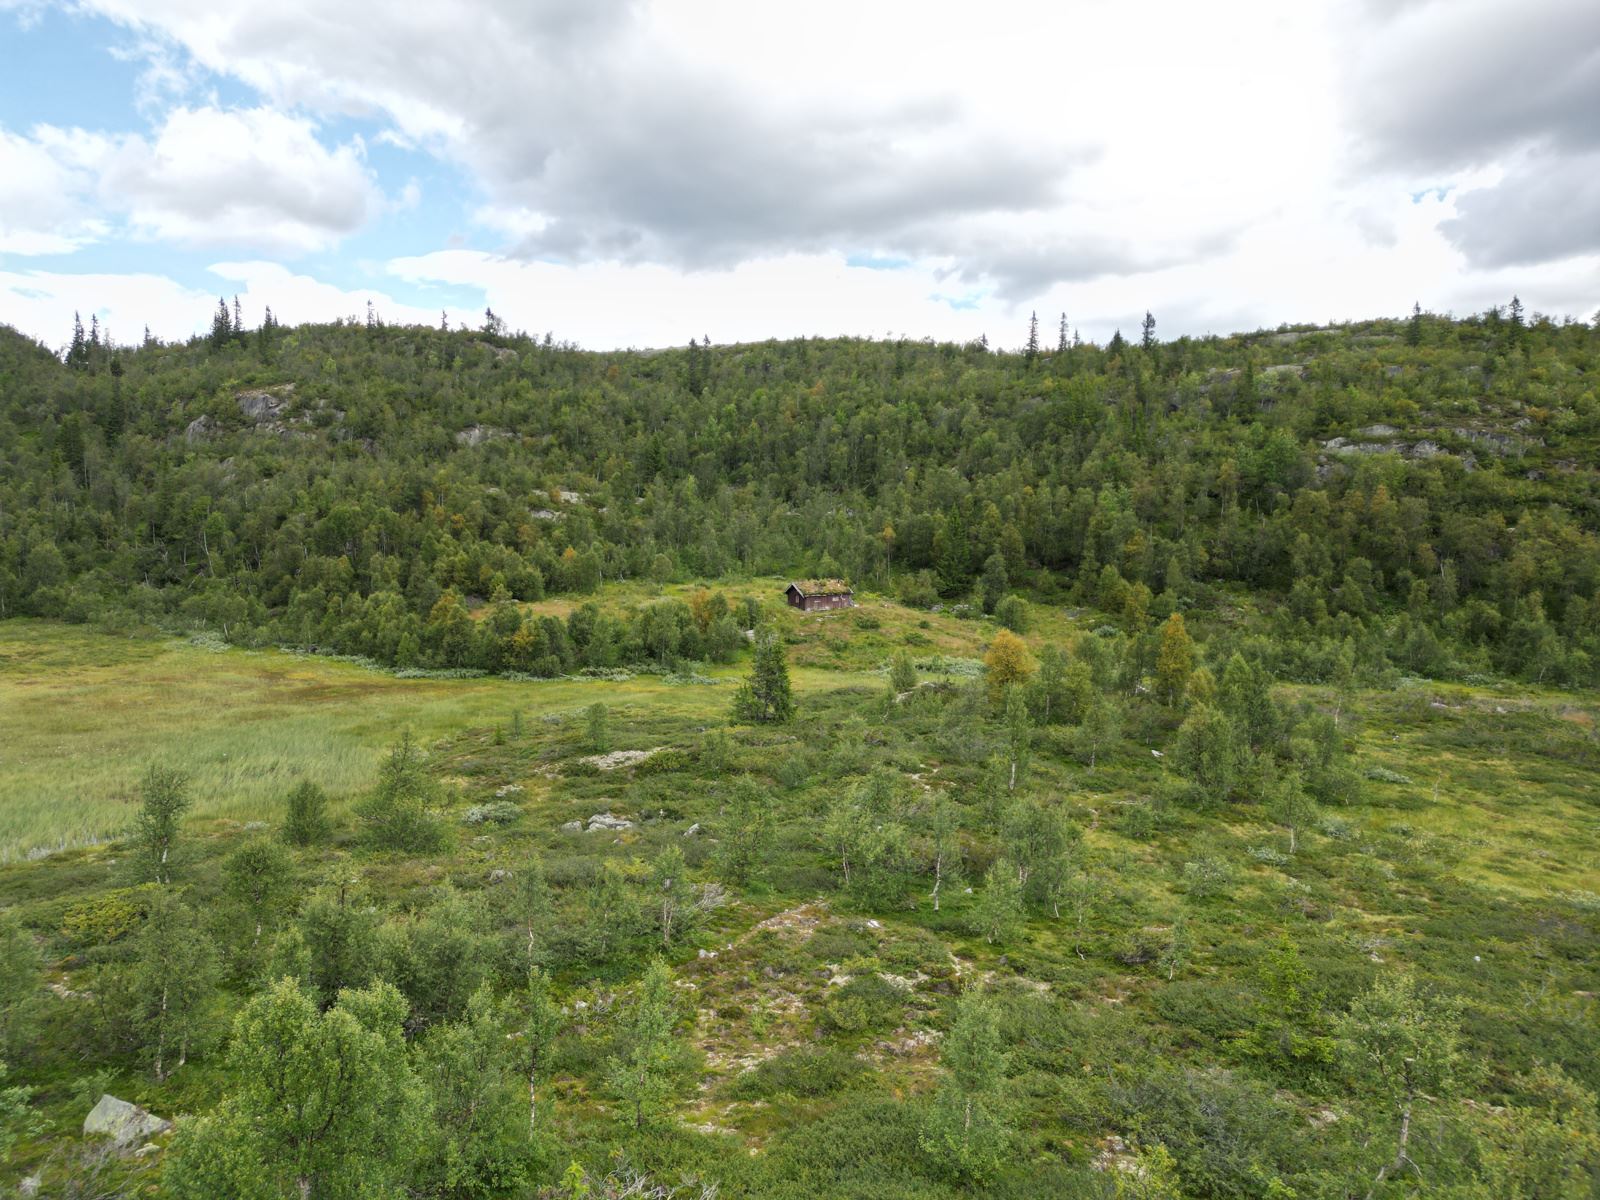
109	916
496	812
865	1004
804	1071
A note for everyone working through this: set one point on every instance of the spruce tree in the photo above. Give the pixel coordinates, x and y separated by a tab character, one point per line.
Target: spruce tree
952	553
78	351
399	814
306	819
1031	352
221	326
267	334
766	697
1061	336
597	728
1515	322
1147	331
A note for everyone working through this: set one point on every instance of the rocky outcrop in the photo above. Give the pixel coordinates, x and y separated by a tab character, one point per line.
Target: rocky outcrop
202	429
268	409
265	404
620	758
122	1122
1501	444
475	435
599	822
1422	448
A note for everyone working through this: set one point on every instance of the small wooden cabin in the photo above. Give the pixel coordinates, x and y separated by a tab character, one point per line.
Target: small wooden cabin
814	595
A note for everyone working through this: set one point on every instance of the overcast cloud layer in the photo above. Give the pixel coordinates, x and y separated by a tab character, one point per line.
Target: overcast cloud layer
625	172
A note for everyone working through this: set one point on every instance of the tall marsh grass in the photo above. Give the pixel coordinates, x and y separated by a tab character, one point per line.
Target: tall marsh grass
83	713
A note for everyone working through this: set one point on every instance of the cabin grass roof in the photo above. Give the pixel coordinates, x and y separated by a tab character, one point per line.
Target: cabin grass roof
821	587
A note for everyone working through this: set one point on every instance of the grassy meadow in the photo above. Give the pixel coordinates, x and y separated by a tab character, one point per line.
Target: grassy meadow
83	713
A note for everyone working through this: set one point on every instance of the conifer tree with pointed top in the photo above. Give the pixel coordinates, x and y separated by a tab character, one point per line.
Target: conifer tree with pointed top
78	351
766	697
1061	335
1147	331
1031	352
1515	321
221	326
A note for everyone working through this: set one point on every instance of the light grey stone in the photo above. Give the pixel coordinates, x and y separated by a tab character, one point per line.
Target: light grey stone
122	1122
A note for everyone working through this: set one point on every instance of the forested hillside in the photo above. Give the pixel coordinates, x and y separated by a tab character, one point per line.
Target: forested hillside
1416	493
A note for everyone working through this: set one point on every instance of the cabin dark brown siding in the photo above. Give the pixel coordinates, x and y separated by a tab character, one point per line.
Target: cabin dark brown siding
819	603
813	603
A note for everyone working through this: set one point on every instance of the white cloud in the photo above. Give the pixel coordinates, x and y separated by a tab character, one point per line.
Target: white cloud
42	304
43	184
656	168
207	176
1041	144
239	177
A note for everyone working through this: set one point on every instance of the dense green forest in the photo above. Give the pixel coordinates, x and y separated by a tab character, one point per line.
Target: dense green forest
414	786
1416	493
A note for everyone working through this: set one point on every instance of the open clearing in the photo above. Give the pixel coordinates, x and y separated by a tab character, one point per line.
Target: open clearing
85	712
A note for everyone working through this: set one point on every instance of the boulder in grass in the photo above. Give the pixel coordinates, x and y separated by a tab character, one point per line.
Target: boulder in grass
122	1122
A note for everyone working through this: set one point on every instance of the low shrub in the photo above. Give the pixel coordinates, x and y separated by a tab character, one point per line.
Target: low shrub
496	812
804	1071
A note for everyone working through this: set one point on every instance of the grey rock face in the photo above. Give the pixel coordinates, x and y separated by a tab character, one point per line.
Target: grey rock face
199	429
475	435
122	1122
265	405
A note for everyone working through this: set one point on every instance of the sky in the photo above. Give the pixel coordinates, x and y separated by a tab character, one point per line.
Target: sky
638	172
